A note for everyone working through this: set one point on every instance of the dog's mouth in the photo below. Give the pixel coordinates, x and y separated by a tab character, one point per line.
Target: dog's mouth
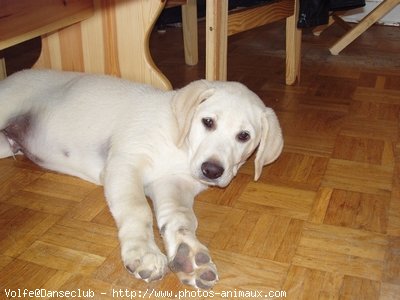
208	182
219	182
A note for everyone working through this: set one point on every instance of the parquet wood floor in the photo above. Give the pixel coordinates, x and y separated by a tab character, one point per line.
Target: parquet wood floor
323	222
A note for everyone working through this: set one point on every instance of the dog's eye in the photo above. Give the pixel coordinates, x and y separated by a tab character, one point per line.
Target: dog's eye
208	123
243	136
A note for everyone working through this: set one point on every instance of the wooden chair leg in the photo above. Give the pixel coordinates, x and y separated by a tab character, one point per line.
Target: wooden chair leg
381	10
190	36
3	73
293	48
216	39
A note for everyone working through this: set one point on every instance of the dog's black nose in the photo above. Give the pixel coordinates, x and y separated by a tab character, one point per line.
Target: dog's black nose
212	170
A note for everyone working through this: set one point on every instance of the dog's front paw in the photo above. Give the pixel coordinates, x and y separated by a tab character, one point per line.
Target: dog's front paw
194	266
148	265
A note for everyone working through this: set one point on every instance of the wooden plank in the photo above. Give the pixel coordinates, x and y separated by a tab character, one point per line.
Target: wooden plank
249	18
92	34
25	19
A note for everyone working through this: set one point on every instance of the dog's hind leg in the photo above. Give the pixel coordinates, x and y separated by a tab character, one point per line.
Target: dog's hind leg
14	98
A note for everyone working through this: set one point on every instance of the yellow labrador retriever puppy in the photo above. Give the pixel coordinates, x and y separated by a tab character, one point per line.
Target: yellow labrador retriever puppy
136	141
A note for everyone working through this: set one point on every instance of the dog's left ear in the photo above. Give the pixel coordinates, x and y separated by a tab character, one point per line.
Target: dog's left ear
184	105
271	143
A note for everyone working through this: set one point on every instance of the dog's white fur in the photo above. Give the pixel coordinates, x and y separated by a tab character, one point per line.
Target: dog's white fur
137	140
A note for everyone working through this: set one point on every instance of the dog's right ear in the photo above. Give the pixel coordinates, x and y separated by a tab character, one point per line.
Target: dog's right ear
184	105
271	143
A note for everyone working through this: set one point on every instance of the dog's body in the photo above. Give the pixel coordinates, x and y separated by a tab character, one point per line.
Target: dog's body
136	141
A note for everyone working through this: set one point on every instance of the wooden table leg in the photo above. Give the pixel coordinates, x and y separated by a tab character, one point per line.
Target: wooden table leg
216	39
293	47
381	10
190	36
3	73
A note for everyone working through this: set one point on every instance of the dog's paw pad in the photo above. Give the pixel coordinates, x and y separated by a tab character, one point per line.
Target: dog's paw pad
208	276
149	266
200	284
193	267
131	267
202	258
181	261
145	274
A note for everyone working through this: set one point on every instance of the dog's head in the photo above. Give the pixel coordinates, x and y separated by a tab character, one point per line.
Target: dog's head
222	123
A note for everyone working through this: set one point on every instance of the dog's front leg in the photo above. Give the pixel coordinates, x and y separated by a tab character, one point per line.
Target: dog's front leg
188	258
125	196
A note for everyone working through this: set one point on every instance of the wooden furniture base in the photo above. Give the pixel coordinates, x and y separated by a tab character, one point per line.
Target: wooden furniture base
113	38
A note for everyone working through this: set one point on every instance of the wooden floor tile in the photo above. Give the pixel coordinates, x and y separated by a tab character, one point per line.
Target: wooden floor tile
277	200
43	203
90	206
389	291
66	190
296	170
61	258
357	210
334	249
392	262
359	288
309	143
248	273
304	283
320	205
394	210
82	236
359	149
23	274
20	241
16	179
358	177
22	229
